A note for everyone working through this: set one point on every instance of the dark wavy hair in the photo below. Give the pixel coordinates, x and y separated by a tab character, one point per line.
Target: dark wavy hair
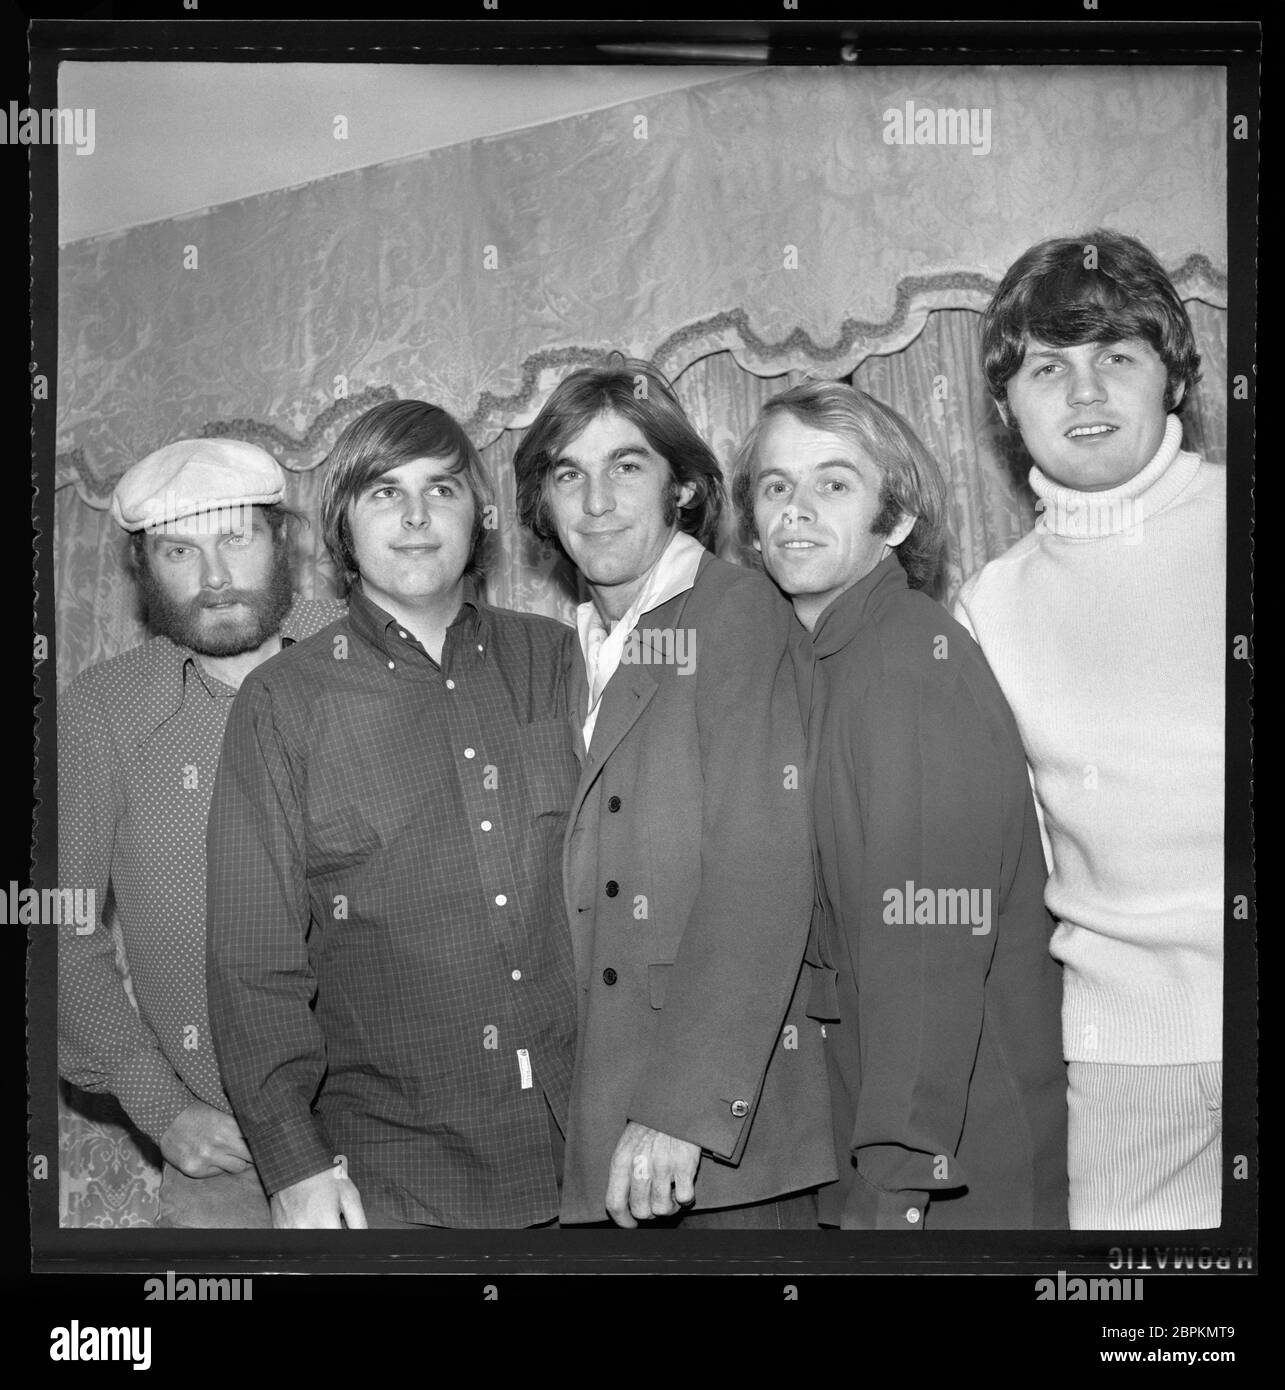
389	434
640	393
912	482
1100	287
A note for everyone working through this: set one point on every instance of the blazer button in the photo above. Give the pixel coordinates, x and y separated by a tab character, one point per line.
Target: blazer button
612	888
740	1108
613	803
912	1215
609	976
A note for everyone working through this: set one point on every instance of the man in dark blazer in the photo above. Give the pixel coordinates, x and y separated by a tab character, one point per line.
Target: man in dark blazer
699	1088
930	946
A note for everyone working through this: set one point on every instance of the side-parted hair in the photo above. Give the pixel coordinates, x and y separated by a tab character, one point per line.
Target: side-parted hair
276	515
912	482
389	434
1100	287
637	391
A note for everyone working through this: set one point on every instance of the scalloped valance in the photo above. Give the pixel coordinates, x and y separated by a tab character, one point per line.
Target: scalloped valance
766	215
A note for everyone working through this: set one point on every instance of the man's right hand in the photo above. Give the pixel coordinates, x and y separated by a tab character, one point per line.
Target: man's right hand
317	1203
203	1141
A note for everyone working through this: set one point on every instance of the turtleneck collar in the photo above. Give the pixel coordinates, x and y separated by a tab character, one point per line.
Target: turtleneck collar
856	607
1066	511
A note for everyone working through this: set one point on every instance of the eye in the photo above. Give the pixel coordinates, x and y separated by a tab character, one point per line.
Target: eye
625	466
1045	369
773	488
382	493
177	552
238	538
566	475
835	485
443	490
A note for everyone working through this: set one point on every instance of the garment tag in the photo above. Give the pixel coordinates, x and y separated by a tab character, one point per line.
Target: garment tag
524	1066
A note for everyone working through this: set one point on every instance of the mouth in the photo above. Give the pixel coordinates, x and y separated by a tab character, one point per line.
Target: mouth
798	543
1090	431
415	549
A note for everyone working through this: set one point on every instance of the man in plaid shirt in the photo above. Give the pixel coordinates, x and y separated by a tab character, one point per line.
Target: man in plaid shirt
390	973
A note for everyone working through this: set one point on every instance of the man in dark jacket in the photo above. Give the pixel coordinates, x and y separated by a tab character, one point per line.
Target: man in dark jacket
699	1081
929	946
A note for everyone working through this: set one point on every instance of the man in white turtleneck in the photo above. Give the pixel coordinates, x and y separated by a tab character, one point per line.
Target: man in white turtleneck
1105	628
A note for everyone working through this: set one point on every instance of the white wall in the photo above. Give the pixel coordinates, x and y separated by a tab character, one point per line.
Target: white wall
172	138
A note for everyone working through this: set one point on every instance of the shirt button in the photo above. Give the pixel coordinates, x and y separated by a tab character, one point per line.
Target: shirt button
517	974
612	888
400	633
486	825
912	1215
613	804
450	685
480	649
390	665
740	1108
469	753
609	976
500	900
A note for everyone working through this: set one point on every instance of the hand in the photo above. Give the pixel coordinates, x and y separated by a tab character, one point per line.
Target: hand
317	1204
645	1166
202	1142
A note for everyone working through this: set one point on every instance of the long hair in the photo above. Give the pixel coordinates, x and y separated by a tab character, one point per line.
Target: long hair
911	480
1100	287
389	434
635	390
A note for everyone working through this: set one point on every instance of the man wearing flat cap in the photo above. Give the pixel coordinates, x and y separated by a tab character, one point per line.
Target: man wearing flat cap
138	743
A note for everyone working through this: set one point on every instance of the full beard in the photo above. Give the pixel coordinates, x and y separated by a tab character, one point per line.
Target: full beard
182	622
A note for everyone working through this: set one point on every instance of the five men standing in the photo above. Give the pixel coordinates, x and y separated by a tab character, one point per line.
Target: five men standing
709	913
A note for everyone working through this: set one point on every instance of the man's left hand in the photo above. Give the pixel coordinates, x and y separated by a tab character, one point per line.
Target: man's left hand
652	1174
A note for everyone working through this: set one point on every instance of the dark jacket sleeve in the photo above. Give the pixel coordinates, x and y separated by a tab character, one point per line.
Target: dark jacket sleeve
742	946
929	812
270	1048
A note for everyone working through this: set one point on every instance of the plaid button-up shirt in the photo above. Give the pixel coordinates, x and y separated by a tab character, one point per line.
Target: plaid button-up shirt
390	968
138	745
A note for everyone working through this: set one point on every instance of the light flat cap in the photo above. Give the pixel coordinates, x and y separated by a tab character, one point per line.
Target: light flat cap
196	475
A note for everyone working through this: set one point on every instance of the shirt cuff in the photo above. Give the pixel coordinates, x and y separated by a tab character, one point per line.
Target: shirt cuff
871	1208
289	1151
152	1095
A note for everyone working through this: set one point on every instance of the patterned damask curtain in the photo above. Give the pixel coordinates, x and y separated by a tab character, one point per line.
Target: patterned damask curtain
671	246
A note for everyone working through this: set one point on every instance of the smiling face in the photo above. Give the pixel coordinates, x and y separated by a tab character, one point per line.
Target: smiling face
215	584
610	496
816	497
412	532
1091	415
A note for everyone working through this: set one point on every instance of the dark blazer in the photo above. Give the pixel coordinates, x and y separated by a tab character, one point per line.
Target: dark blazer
931	941
688	879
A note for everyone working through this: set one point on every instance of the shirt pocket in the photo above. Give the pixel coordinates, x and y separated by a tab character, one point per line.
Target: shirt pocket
549	766
658	982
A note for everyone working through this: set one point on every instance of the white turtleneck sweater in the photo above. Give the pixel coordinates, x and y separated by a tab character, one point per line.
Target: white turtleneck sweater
1105	627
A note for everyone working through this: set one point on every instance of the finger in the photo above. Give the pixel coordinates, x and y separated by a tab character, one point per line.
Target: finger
618	1189
662	1202
230	1163
235	1145
351	1207
640	1176
684	1185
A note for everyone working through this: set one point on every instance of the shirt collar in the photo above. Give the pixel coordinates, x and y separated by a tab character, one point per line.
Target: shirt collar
378	627
856	607
673	573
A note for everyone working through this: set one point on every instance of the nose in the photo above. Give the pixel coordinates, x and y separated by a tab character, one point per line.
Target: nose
414	511
214	569
598	496
1085	386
